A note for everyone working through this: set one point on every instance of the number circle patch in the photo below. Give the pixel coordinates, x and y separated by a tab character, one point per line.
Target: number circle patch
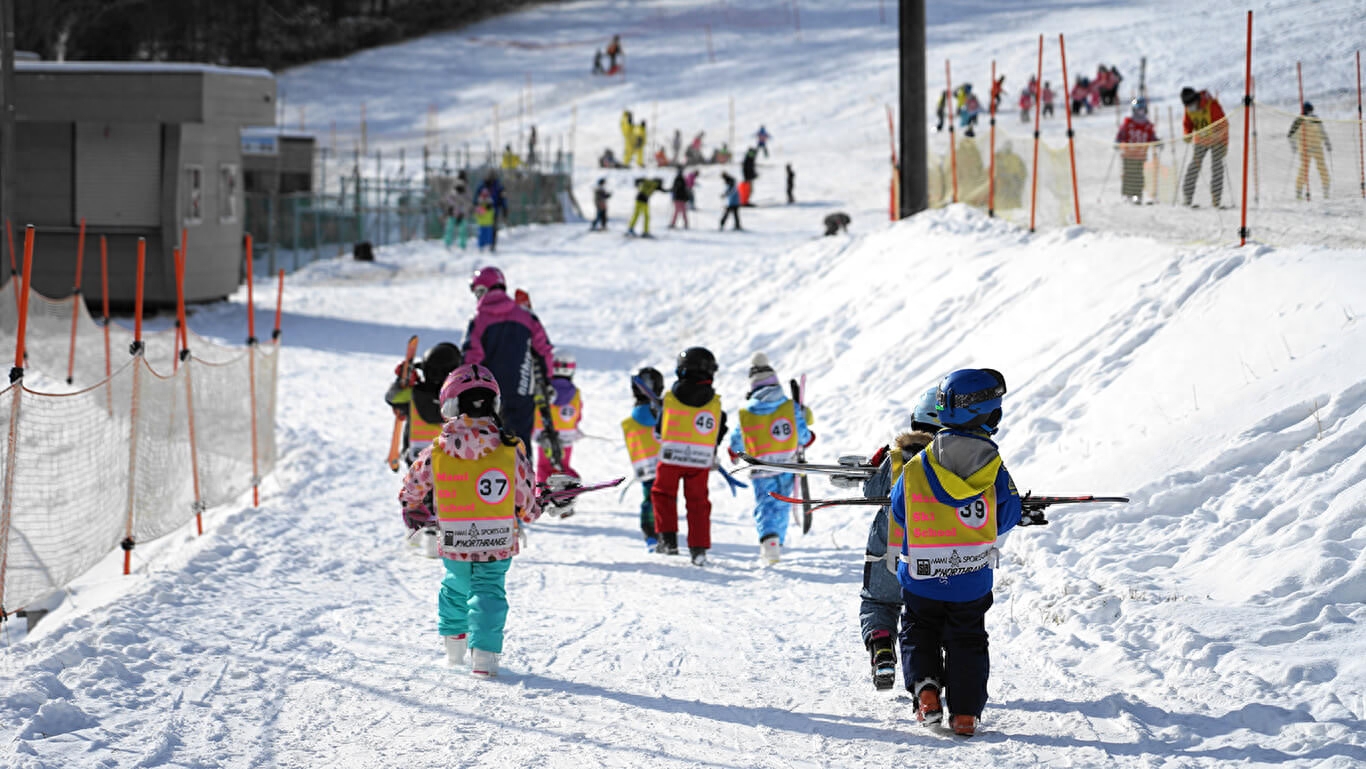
974	514
492	486
781	429
704	423
567	413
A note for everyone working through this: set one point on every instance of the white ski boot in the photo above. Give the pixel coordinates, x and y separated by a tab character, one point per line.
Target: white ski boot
483	664
560	482
769	549
455	649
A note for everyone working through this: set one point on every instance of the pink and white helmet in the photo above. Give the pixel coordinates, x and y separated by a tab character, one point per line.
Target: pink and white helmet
486	278
564	364
470	376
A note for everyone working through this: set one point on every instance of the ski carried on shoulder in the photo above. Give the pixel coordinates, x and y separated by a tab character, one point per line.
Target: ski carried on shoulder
1033	505
404	374
805	468
545	495
798	394
550	437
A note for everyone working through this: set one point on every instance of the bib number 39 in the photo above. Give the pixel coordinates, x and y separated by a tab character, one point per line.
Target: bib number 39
704	423
492	486
973	514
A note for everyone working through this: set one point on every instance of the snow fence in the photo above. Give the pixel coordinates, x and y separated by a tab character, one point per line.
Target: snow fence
122	457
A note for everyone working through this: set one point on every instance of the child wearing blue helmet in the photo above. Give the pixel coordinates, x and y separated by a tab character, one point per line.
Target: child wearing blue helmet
953	500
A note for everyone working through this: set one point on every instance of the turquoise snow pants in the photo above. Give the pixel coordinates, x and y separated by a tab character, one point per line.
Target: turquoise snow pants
473	600
770	515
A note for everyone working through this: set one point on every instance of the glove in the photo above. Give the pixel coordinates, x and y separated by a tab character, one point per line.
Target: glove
808	443
878	456
1032	517
417	518
412	375
734	456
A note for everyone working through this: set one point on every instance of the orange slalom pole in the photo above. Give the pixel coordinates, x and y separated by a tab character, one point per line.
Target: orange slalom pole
189	393
1247	124
896	170
1038	105
949	116
1071	150
127	543
1361	142
991	165
75	300
23	300
251	367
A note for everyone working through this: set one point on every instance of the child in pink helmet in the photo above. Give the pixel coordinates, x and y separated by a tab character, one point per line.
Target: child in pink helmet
475	483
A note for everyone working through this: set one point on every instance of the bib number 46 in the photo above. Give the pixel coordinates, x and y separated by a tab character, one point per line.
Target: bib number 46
704	423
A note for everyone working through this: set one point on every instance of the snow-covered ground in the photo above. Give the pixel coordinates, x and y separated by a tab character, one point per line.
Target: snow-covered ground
1215	620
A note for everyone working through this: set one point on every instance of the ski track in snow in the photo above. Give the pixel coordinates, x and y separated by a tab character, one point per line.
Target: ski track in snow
1214	620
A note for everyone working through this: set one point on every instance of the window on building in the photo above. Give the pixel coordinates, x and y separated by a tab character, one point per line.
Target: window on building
227	193
193	186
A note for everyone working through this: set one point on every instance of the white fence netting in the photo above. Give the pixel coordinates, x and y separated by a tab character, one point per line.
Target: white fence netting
83	470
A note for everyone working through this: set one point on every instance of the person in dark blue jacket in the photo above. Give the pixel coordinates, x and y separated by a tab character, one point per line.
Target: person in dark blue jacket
500	204
954	500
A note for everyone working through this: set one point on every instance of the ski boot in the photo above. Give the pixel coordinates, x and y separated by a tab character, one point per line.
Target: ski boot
455	649
699	555
651	543
430	537
668	543
928	709
883	658
483	664
769	549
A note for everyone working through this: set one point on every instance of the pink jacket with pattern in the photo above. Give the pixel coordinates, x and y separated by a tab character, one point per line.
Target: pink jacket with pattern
468	438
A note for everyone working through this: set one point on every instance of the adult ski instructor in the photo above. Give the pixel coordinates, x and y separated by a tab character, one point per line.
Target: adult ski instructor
511	342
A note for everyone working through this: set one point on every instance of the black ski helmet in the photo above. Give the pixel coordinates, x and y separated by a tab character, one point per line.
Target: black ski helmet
651	377
696	362
439	362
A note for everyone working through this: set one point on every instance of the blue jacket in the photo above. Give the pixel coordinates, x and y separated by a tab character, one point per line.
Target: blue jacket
644	415
766	400
961	453
732	196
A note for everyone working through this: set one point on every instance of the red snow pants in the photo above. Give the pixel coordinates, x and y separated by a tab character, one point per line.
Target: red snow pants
664	497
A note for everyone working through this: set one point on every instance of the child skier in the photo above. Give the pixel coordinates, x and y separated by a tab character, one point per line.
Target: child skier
483	217
565	413
690	428
880	597
418	401
960	498
732	197
1135	136
680	193
474	482
643	446
771	427
600	196
645	187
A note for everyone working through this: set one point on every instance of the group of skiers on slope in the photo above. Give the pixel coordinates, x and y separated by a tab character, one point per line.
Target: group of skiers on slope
486	208
614	51
471	414
682	192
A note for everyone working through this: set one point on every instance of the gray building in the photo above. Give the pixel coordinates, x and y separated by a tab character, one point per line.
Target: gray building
136	150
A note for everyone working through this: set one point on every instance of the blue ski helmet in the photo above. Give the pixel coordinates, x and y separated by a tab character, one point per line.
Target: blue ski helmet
971	398
924	417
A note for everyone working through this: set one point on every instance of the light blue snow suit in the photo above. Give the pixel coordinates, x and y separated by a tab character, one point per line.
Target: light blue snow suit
770	515
473	600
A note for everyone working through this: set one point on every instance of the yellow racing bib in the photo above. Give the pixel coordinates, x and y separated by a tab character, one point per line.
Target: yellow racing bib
475	501
688	434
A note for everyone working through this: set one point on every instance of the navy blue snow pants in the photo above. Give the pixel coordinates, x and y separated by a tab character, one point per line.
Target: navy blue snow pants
947	641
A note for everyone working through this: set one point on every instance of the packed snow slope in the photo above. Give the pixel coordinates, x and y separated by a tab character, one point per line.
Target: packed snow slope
1215	620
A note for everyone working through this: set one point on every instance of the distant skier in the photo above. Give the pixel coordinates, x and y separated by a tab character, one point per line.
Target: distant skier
511	342
494	187
771	428
1204	125
761	138
597	63
680	193
962	499
485	220
1047	99
836	223
791	180
749	172
642	445
644	189
449	486
880	596
998	88
691	179
1135	136
628	137
732	198
614	50
600	197
1308	140
692	424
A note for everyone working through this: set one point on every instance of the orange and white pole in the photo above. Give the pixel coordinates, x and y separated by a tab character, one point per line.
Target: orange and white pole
1071	148
75	301
1038	102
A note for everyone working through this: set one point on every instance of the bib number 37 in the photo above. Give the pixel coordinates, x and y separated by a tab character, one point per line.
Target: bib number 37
973	514
492	486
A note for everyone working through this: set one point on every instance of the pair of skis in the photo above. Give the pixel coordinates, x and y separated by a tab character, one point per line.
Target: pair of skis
1033	505
548	496
644	387
549	435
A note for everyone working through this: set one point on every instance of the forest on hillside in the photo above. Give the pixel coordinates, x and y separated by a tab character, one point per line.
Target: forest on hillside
259	33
